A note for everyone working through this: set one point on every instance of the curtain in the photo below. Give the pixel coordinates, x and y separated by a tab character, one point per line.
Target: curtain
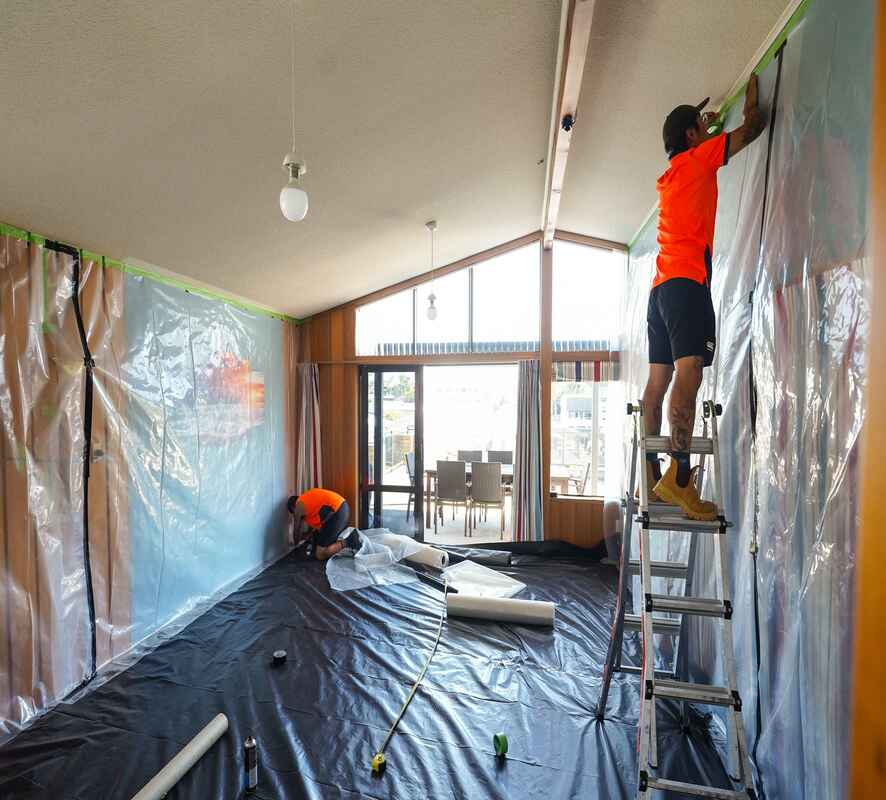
527	522
577	371
309	469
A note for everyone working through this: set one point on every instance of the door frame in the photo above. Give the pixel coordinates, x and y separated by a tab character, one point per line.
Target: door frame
367	488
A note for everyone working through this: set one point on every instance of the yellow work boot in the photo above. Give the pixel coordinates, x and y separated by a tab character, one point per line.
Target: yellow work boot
650	482
684	496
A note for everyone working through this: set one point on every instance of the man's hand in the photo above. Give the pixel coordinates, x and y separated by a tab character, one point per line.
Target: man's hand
754	121
750	95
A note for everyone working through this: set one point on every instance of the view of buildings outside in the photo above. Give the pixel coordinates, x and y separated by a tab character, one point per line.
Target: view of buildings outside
578	433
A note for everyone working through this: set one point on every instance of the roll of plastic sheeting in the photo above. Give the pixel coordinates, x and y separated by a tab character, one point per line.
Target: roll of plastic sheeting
501	609
172	773
427	556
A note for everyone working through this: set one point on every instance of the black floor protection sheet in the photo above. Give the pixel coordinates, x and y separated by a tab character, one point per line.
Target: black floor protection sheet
352	658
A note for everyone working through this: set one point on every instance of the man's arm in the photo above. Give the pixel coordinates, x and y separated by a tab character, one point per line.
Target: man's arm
754	121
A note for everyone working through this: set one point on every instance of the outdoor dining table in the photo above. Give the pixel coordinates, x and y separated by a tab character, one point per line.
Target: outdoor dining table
560	476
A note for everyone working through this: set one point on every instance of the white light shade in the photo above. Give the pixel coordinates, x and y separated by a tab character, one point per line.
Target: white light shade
293	202
432	312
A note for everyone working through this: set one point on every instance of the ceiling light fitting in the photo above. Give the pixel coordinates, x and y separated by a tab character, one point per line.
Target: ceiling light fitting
293	199
431	225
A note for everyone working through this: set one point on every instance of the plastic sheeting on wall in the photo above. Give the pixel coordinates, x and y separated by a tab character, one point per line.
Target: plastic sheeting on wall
189	470
792	330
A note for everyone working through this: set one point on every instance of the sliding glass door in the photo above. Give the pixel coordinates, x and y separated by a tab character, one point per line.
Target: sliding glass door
391	458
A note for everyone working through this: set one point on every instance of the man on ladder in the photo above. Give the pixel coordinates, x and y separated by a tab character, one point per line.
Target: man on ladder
680	315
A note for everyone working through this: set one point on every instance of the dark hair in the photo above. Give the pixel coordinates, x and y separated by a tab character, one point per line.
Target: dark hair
673	132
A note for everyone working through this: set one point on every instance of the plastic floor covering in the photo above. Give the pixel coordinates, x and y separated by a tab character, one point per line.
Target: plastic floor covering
352	658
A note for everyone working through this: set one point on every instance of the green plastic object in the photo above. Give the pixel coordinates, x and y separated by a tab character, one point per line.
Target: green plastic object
500	743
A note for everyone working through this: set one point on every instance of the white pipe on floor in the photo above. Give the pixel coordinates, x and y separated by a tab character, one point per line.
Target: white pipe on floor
172	773
428	556
501	609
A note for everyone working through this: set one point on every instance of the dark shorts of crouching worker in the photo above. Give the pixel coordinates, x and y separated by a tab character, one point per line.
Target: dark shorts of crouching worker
680	321
332	524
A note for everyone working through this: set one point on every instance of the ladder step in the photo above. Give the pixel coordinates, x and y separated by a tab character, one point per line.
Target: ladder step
662	569
702	606
634	623
696	789
630	669
667	522
694	692
662	444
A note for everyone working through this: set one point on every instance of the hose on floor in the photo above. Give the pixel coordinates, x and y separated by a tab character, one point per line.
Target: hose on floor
378	760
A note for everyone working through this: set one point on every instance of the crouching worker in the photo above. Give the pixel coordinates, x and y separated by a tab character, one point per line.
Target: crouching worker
320	516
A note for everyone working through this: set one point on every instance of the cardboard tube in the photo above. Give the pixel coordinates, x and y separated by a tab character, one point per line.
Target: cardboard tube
427	556
172	773
501	609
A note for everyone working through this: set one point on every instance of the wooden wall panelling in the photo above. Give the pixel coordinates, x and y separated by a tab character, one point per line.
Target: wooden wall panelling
18	531
868	725
110	376
577	520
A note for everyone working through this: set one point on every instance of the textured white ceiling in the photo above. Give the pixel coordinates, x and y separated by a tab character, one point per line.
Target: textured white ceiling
157	130
644	58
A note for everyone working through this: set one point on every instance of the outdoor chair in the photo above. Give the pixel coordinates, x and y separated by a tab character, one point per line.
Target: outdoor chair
500	457
486	490
581	483
410	468
452	489
470	455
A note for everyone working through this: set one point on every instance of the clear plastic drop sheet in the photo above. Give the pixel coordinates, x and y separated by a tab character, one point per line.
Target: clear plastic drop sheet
376	563
191	461
45	648
792	315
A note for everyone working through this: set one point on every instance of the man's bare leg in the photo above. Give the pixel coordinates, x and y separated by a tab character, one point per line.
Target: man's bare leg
653	397
681	412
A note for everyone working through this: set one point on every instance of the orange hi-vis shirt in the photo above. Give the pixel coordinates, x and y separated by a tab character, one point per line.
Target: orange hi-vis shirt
314	500
687	202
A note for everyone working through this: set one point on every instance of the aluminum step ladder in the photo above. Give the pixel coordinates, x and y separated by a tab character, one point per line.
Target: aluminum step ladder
655	683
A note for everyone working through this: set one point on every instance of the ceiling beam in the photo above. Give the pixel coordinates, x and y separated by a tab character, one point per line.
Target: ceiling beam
573	53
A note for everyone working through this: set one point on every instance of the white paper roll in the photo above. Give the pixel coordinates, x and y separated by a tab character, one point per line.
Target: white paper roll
427	556
501	609
167	777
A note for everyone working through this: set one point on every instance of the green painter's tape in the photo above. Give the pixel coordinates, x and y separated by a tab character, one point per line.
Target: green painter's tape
769	55
191	289
86	255
11	230
764	62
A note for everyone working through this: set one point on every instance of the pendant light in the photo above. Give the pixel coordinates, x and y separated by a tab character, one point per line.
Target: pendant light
293	199
431	225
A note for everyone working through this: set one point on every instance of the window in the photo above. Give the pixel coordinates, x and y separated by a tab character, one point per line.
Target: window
506	301
581	395
449	331
588	284
384	328
492	306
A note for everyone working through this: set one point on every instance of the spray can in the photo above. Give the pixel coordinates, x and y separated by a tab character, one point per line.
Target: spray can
250	751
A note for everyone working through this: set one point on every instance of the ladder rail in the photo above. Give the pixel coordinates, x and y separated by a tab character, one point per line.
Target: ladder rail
648	735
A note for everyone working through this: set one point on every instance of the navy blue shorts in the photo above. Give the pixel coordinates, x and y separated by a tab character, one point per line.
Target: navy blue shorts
333	523
680	321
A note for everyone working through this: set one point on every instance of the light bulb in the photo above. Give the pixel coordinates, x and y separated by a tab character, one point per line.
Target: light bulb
293	201
432	309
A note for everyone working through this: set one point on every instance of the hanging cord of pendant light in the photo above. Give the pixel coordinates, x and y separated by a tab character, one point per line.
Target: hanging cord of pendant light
432	309
293	199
